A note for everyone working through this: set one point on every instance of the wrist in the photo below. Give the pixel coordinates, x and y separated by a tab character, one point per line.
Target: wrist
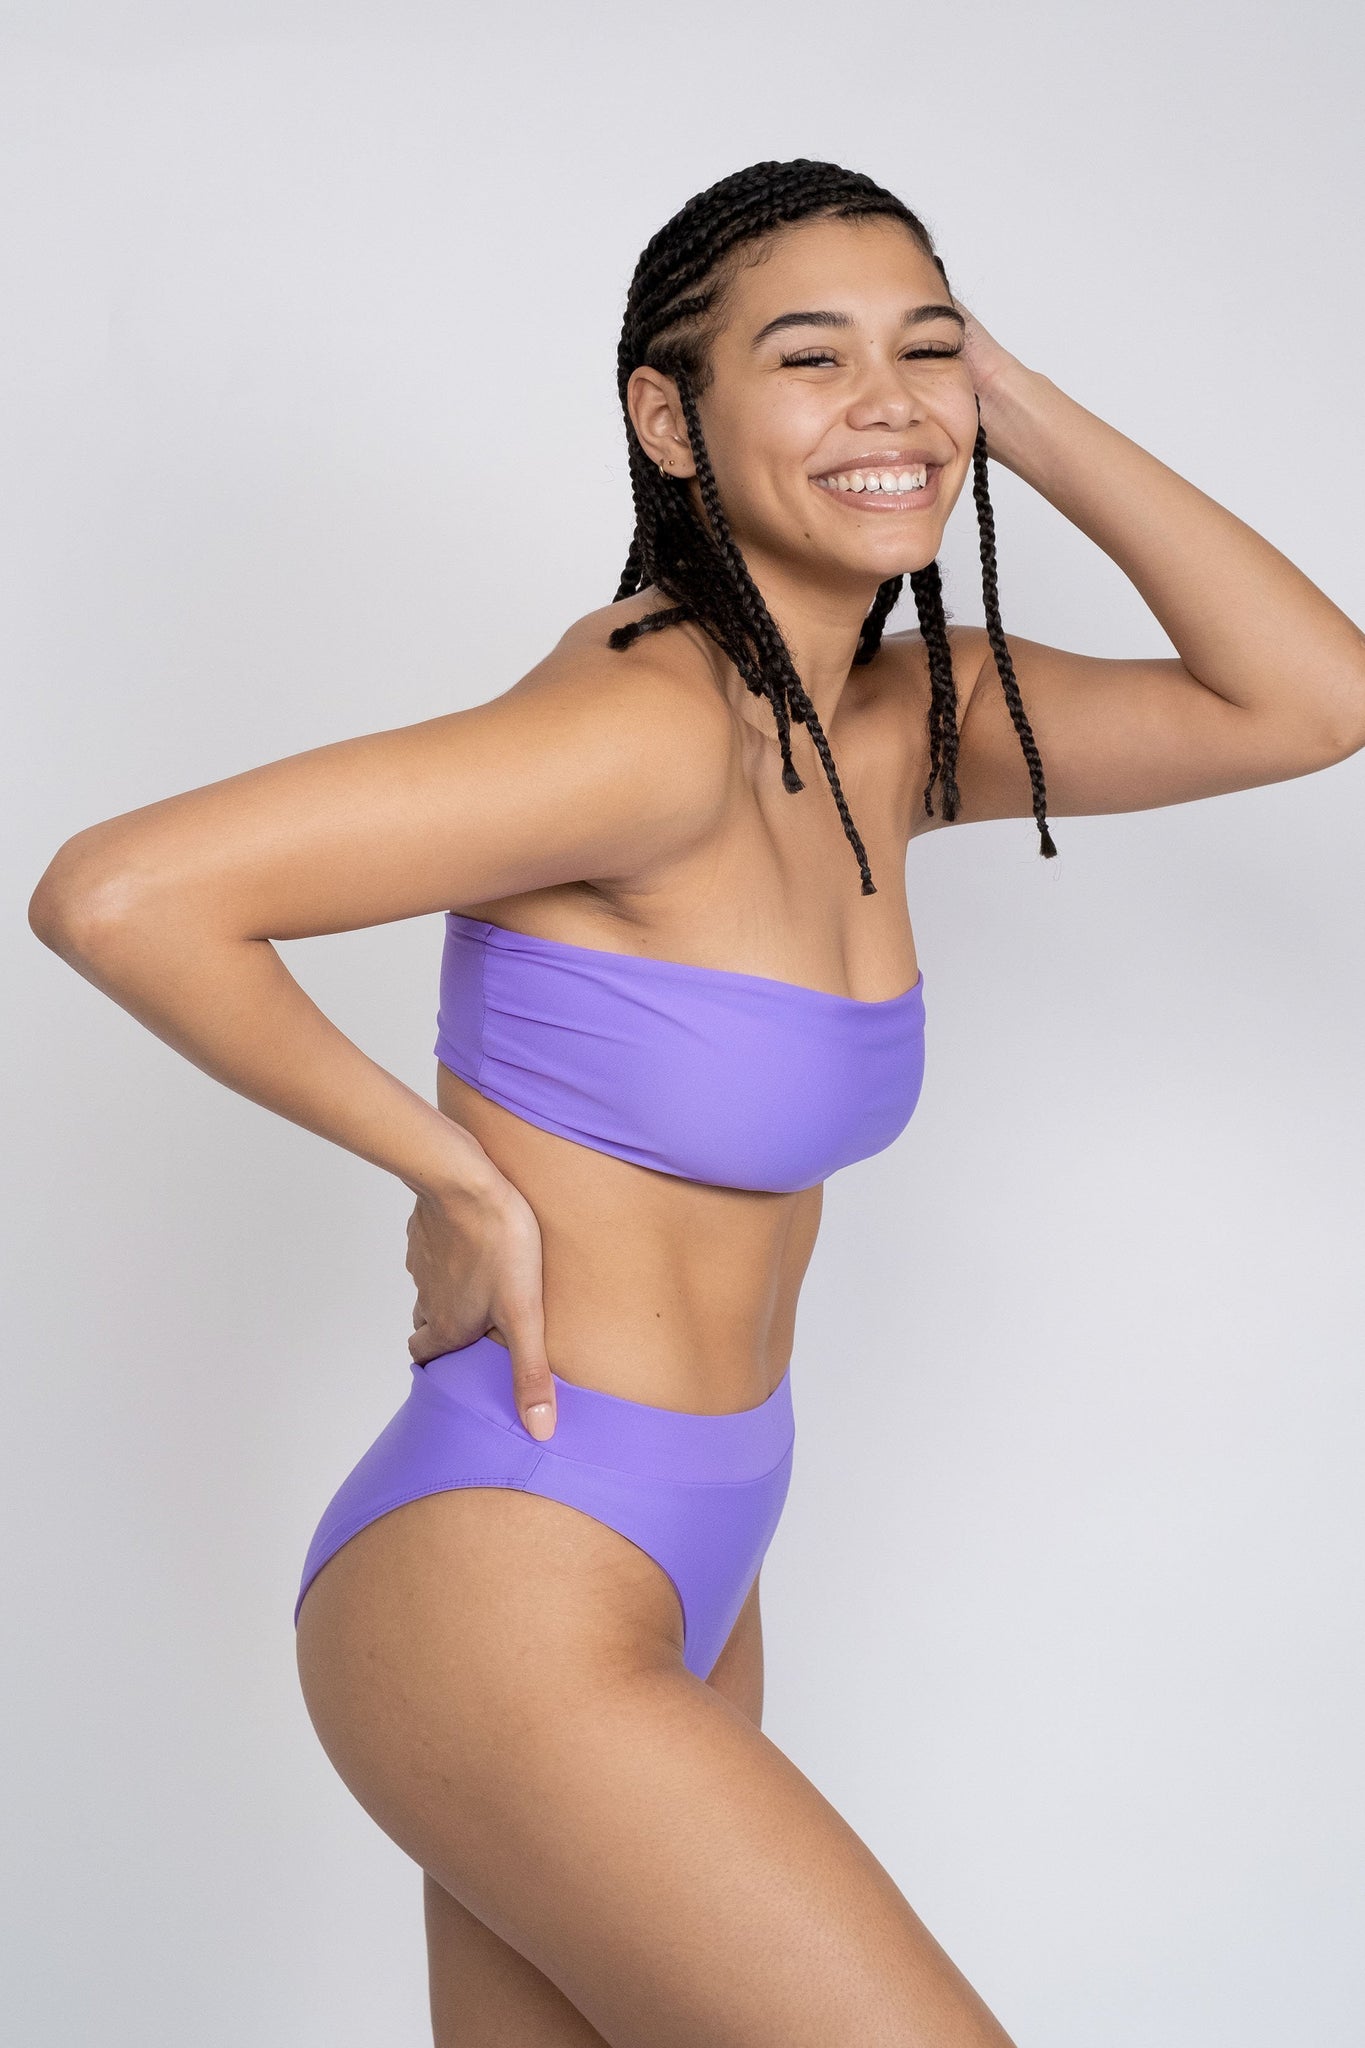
460	1174
1011	406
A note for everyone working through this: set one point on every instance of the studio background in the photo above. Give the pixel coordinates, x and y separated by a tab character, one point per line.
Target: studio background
310	428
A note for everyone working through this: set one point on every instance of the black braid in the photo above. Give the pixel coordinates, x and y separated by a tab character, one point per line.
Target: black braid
927	586
673	307
1004	667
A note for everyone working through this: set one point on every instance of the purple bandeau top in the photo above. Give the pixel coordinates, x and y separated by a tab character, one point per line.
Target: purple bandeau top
701	1072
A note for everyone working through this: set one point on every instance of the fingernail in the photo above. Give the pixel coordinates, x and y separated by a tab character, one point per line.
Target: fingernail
540	1420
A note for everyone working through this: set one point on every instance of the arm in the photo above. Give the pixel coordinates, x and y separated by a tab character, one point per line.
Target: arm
1269	676
575	773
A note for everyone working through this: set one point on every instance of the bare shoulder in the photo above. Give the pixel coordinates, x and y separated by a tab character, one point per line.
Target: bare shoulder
654	702
636	731
969	646
910	684
669	662
598	766
659	686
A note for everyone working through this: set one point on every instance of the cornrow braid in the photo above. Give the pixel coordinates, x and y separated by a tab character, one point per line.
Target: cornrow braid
674	308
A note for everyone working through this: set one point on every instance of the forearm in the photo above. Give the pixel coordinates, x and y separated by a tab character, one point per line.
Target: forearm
1242	618
231	1006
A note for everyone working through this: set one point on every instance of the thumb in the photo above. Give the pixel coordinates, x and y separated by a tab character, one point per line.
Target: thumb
532	1387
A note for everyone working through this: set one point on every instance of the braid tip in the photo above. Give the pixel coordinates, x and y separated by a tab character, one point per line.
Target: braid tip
1047	848
791	780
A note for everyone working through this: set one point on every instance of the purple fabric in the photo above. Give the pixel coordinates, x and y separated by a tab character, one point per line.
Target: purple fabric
735	1079
700	1494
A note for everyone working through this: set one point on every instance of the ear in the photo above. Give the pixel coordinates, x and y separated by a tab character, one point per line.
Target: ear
657	416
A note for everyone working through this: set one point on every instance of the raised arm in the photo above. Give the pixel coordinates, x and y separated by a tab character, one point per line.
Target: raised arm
1268	679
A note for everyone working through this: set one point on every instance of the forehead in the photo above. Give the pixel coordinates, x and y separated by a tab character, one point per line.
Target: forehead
851	265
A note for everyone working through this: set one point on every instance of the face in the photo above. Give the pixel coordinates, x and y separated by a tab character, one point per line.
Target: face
865	385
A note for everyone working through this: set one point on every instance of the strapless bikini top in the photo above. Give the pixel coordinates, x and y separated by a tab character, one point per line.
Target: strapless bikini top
701	1072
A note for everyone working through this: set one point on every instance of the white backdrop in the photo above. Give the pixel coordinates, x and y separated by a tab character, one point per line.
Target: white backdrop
307	332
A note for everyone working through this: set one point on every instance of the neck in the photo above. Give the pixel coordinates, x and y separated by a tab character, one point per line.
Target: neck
821	623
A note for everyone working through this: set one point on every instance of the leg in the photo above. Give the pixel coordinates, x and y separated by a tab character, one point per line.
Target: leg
485	1992
738	1671
498	1680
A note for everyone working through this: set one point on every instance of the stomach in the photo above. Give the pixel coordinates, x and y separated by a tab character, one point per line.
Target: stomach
667	1291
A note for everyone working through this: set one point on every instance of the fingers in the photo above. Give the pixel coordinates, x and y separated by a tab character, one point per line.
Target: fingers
496	1250
424	1344
532	1387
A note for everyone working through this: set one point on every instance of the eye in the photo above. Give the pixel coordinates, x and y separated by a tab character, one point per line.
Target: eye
812	358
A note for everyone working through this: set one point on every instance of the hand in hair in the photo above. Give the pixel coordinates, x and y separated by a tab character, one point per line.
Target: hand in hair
986	358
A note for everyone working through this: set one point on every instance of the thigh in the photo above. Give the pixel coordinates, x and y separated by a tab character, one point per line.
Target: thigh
498	1680
484	1993
738	1671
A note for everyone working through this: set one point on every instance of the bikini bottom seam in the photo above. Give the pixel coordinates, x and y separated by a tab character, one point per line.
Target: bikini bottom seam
399	1500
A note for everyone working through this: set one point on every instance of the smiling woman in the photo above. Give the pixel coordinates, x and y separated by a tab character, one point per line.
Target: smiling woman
527	1626
855	262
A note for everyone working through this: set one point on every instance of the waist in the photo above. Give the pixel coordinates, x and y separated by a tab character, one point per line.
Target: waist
655	1288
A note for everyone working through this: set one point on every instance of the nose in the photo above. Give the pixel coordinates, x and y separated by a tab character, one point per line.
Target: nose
885	398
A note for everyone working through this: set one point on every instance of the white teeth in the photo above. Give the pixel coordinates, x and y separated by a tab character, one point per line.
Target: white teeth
877	480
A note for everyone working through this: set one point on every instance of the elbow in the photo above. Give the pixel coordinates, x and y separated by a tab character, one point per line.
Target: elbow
1353	744
1328	740
81	896
1346	709
1341	746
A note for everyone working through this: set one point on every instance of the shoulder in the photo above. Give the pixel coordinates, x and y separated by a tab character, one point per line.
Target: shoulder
909	687
640	729
969	647
659	691
668	665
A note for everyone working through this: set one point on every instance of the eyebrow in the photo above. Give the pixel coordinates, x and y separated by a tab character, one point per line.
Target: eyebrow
916	317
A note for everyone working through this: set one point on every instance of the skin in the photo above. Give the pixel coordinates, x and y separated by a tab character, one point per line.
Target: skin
614	1851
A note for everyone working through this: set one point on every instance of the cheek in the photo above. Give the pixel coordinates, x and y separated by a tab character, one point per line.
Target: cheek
764	462
962	420
775	430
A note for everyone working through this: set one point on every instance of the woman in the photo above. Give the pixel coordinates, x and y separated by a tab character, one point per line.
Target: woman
528	1629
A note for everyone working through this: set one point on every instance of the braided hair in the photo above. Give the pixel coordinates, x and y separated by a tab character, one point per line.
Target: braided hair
674	300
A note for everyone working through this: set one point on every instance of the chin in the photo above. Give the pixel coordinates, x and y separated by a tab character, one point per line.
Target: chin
885	565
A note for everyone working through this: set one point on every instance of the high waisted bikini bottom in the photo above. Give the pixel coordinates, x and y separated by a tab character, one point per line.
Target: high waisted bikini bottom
700	1494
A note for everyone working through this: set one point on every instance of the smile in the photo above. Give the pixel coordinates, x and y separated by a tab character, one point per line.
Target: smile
906	490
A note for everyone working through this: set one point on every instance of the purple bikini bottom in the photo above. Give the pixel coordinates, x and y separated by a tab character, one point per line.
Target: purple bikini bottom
700	1494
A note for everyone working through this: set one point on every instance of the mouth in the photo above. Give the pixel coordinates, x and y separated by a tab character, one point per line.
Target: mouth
910	489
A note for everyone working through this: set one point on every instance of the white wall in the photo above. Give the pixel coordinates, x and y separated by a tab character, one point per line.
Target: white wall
1064	1613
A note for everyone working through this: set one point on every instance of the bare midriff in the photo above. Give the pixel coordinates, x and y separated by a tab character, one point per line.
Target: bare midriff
659	1289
